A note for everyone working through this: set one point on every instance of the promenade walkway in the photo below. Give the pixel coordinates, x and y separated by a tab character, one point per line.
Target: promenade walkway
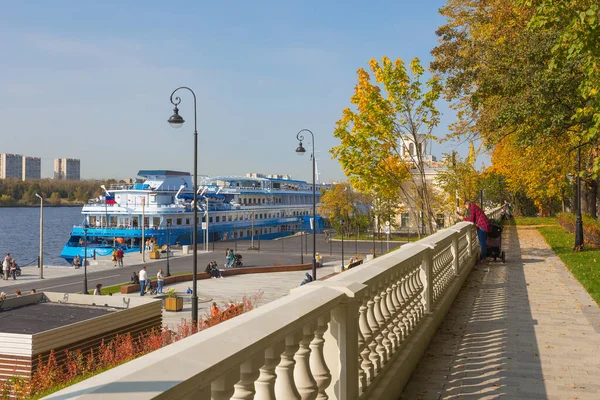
521	330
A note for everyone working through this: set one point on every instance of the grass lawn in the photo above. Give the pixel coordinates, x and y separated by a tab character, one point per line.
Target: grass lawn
585	265
522	221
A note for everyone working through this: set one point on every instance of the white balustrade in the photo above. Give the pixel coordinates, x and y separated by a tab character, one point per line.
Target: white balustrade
352	336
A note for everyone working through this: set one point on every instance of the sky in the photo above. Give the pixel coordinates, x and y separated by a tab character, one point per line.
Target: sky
92	80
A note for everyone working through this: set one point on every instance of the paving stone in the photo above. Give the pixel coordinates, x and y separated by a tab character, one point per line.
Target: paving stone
524	329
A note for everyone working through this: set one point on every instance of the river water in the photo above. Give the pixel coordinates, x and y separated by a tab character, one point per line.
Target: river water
20	232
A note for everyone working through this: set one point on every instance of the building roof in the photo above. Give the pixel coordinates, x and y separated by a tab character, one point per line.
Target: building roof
165	172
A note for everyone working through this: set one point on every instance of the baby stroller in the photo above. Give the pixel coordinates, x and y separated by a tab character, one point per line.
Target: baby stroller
494	241
237	261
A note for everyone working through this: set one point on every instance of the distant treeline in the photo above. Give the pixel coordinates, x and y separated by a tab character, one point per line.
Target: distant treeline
15	192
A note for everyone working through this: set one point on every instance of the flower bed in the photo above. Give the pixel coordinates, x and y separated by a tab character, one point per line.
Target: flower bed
591	227
51	376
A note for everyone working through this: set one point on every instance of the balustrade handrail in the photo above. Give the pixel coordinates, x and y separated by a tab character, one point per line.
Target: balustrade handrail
337	338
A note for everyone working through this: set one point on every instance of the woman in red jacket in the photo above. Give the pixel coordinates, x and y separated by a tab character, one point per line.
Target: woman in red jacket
478	217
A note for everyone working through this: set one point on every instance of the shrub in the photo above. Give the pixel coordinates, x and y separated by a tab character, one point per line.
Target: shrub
591	227
50	376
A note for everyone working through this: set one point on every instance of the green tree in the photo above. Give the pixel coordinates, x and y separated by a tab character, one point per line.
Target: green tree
55	198
397	106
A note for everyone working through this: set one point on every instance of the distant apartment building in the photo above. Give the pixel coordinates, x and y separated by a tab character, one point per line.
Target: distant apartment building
66	169
11	166
32	168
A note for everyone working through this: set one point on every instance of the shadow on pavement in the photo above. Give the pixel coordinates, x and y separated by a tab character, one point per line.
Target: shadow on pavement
486	346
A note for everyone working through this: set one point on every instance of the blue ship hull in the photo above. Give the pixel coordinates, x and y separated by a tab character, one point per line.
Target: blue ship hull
102	240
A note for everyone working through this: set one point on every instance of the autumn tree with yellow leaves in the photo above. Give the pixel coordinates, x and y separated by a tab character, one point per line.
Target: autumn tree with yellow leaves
390	104
520	75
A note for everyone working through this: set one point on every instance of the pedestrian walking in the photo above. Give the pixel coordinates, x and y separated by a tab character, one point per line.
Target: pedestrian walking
6	266
143	276
13	269
160	280
114	257
120	255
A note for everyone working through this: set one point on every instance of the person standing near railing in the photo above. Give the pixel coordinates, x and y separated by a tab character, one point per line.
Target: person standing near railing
478	217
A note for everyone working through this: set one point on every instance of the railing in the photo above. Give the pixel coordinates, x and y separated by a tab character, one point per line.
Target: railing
357	335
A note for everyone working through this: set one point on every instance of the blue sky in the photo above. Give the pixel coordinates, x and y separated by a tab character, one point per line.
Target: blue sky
92	80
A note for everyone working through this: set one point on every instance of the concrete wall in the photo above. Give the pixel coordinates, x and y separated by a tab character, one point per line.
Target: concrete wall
20	353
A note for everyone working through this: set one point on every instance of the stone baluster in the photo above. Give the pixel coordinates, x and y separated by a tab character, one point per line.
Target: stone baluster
305	382
385	319
404	305
362	373
367	364
397	311
393	319
379	326
374	354
318	366
455	254
416	296
427	276
420	287
412	296
285	386
222	388
249	373
265	384
469	243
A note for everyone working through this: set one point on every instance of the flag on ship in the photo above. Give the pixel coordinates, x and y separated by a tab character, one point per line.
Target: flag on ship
110	199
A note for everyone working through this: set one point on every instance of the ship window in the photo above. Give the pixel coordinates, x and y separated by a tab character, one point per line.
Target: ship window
169	221
156	221
235	217
210	220
179	221
146	222
229	218
248	233
134	222
264	201
218	218
187	221
92	220
113	220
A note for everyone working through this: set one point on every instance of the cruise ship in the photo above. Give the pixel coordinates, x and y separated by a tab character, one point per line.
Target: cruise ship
160	205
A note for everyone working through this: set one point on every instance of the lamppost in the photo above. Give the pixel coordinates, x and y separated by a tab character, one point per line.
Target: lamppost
342	245
300	151
85	287
168	245
578	221
374	227
41	266
177	121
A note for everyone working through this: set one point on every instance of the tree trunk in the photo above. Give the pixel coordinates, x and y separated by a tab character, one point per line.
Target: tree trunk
589	189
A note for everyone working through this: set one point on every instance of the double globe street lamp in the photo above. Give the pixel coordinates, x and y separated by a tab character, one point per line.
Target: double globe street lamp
176	121
300	151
